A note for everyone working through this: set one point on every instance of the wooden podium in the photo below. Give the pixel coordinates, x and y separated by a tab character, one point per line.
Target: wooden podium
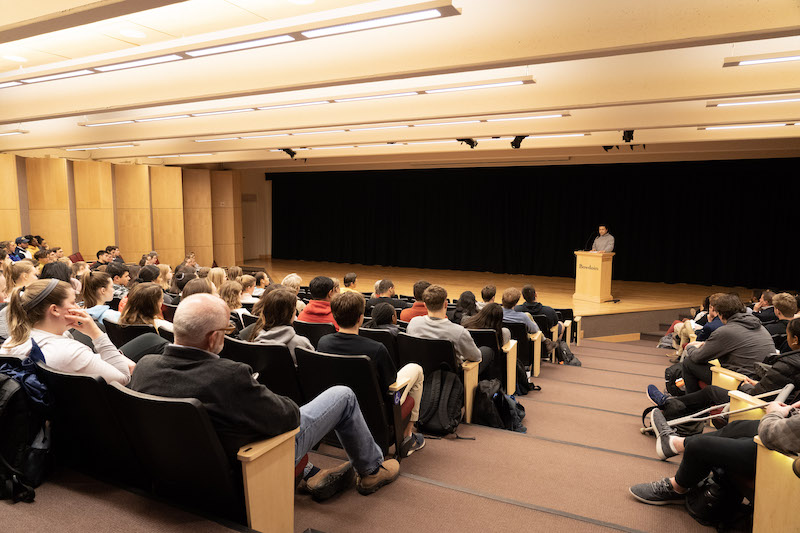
593	276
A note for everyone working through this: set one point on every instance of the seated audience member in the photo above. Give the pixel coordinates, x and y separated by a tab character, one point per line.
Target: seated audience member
350	282
292	282
731	448
203	272
383	316
348	309
336	288
785	307
764	309
149	259
234	272
120	277
684	329
466	306
435	325
11	250
189	263
262	280
191	284
60	271
490	317
178	275
114	252
244	411
42	257
418	309
385	293
510	298
533	307
103	258
144	307
43	312
248	286
164	277
231	294
785	369
21	249
487	295
375	289
739	344
79	268
19	274
217	277
274	325
98	289
319	308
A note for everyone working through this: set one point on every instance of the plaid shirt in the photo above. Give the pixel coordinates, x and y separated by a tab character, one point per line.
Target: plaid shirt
120	291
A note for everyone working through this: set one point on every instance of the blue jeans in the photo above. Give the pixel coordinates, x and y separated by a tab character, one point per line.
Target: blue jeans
337	409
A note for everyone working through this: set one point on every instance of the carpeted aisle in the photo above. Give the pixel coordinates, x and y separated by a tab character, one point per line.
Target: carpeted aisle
570	472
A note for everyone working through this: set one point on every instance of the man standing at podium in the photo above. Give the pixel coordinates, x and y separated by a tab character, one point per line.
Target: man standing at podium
603	242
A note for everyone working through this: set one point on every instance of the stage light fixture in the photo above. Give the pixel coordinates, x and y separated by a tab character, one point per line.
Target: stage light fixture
515	144
472	143
291	153
627	136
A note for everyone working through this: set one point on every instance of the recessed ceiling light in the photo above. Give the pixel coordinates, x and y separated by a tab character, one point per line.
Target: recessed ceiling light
15	132
63	75
374	23
155	119
17	59
227	112
301	104
375	97
96	124
265	136
742	126
557	136
213	140
241	46
176	155
430	142
140	63
379	128
761	59
9	84
447	123
524	118
753	102
471	87
317	132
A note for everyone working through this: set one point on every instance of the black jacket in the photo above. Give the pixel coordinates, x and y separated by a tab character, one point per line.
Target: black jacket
785	369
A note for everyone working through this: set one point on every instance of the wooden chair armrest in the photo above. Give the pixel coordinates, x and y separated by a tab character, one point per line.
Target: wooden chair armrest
254	450
714	362
568	323
727	372
536	365
777	490
578	330
509	345
470	369
535	336
744	399
268	475
511	366
399	385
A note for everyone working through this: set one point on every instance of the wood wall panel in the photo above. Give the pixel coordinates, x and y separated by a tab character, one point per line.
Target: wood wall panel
166	192
197	218
134	216
237	218
94	206
48	201
223	192
10	220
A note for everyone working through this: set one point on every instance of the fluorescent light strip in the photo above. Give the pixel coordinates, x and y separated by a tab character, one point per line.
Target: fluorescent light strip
376	97
379	128
176	155
155	119
139	63
281	106
316	132
6	133
744	126
558	136
108	123
447	123
63	75
241	46
430	142
768	60
374	23
329	147
494	138
10	84
524	118
227	112
214	140
88	148
265	136
378	145
731	104
470	87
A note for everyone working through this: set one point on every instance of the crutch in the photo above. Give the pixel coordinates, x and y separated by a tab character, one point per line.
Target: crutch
782	394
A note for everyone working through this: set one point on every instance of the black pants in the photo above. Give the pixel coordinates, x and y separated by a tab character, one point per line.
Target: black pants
695	401
731	448
487	360
693	373
143	345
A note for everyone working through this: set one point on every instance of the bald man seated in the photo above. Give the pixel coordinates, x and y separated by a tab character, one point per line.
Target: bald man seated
243	411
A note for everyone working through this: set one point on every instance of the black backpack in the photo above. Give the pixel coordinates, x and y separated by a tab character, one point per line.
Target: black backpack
442	403
524	385
671	375
493	408
564	354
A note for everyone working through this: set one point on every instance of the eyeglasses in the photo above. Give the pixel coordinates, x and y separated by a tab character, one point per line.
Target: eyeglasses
230	328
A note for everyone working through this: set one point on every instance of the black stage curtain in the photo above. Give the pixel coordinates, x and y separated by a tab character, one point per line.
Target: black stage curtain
711	222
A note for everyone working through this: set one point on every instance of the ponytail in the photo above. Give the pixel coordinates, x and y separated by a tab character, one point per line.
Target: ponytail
28	306
91	283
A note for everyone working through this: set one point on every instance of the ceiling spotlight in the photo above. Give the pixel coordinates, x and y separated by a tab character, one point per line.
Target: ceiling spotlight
517	141
291	153
472	143
627	136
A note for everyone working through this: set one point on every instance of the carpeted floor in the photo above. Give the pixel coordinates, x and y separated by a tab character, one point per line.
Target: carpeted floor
570	472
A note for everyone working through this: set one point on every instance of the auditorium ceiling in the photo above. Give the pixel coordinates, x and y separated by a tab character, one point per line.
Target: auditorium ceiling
308	85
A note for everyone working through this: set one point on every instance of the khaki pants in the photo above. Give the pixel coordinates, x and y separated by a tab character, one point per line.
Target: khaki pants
412	372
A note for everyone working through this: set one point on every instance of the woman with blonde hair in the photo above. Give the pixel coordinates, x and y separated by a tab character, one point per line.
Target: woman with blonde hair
217	277
19	274
144	307
292	282
231	294
235	272
164	276
42	312
98	289
248	286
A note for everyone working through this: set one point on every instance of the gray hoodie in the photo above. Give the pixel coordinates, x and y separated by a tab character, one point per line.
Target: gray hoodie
739	345
286	336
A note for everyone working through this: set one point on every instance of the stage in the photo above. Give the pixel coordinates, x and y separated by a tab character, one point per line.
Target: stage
642	306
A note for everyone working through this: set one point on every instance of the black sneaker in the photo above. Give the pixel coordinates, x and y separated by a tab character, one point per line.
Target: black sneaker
663	433
657	493
656	396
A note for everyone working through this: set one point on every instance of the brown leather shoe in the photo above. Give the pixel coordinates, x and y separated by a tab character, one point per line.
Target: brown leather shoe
329	482
387	473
